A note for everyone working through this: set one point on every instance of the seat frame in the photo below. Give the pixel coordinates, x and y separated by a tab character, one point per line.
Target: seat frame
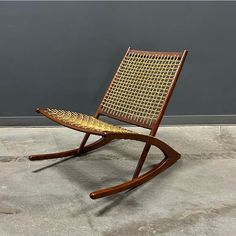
170	155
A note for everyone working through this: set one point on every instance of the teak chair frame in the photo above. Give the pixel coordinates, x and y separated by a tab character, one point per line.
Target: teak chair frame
170	155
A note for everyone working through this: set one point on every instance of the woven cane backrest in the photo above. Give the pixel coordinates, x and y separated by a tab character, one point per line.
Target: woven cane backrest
141	85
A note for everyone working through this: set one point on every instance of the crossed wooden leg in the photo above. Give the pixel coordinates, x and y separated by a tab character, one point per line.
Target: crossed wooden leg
171	156
74	152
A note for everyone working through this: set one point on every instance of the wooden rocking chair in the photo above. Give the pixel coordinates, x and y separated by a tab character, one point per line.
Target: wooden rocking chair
138	95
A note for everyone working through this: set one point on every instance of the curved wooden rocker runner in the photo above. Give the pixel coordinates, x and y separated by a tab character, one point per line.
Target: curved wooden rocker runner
138	94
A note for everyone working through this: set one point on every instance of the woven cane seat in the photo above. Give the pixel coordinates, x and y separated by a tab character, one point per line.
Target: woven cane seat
81	121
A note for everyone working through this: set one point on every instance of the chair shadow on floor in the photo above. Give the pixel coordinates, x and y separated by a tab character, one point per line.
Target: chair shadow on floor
87	182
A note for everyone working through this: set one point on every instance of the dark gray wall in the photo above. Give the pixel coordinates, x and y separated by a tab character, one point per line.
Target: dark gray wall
63	54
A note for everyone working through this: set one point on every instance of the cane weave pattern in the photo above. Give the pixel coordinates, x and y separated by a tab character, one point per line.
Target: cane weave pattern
85	122
141	85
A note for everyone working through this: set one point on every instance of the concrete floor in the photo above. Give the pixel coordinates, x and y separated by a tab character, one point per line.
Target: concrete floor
197	196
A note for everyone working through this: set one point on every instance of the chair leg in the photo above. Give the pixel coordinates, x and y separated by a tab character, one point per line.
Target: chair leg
171	156
40	157
82	144
75	152
141	160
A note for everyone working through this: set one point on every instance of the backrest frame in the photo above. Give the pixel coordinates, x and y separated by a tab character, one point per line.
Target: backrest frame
154	125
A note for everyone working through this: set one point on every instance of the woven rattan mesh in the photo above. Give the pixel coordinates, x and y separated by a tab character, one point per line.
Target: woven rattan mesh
140	86
85	122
